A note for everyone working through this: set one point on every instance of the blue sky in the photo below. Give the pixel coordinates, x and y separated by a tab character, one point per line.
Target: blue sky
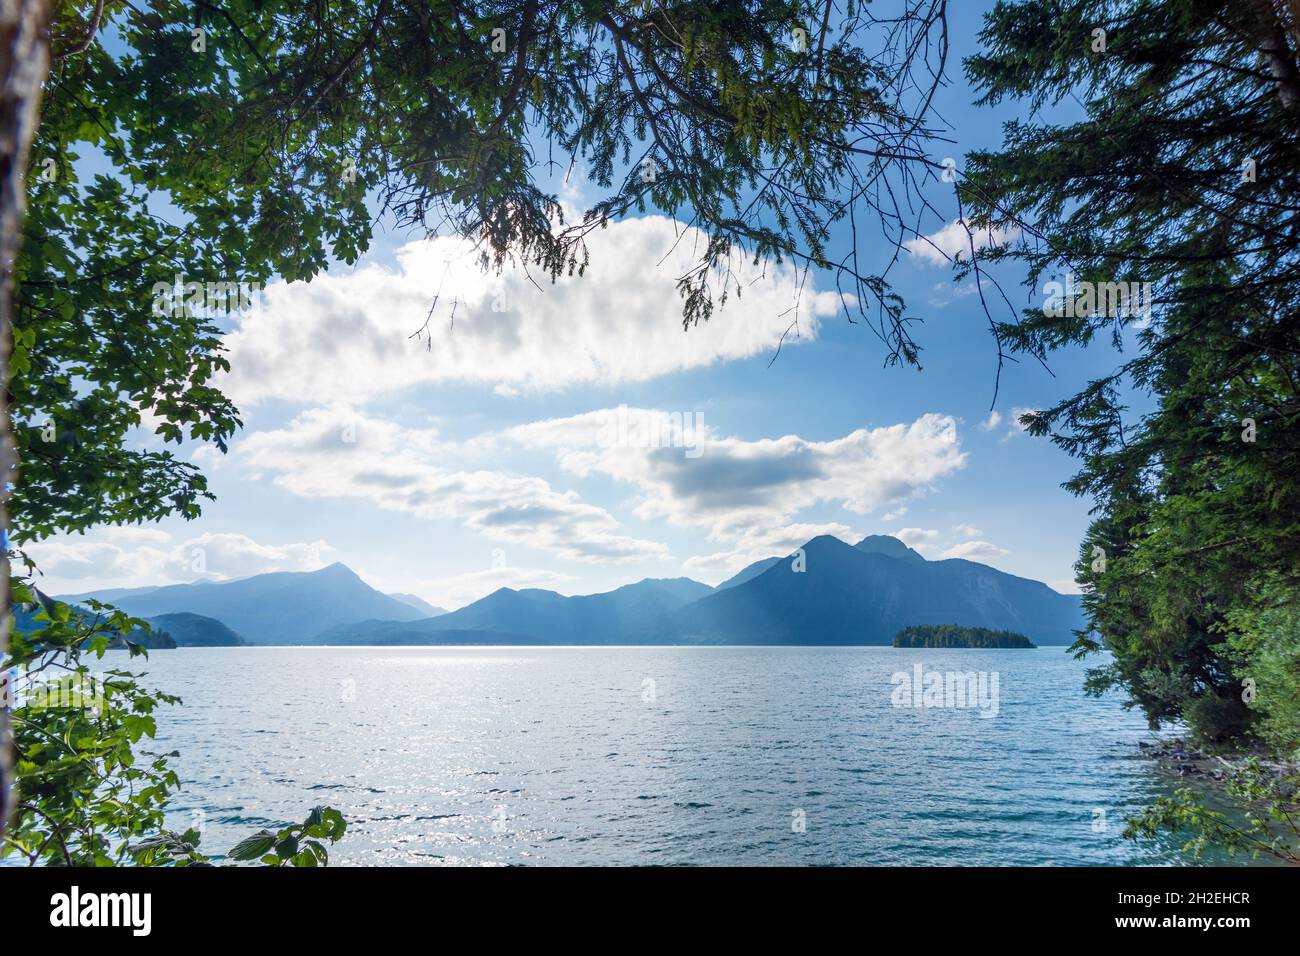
494	457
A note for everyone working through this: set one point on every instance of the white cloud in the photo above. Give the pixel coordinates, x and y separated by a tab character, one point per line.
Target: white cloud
348	336
967	530
1014	421
337	453
973	550
731	486
949	291
918	538
225	555
131	556
992	422
953	242
65	559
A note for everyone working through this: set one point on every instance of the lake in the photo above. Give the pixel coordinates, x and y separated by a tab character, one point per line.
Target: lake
659	755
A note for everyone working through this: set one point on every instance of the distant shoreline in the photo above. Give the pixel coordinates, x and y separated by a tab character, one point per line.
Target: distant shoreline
416	647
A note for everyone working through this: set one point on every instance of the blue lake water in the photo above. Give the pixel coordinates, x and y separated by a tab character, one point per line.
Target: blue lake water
660	755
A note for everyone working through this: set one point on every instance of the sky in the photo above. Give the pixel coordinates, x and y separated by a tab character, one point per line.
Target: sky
575	437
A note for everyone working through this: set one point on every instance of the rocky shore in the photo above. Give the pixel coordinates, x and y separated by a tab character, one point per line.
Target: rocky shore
1188	759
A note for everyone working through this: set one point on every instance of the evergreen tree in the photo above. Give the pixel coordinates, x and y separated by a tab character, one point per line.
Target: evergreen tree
1183	172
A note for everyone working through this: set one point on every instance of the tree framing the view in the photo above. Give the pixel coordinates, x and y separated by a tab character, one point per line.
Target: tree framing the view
1183	174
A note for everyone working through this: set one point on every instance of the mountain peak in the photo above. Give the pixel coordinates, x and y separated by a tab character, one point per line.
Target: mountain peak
340	573
848	594
887	545
823	540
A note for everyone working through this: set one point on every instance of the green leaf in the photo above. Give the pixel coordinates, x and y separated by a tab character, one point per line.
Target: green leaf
254	846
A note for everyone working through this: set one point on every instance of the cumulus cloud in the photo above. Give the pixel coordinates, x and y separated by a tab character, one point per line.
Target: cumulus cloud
992	422
349	336
726	483
967	530
1013	421
103	557
224	555
918	538
335	452
953	242
129	556
973	550
730	486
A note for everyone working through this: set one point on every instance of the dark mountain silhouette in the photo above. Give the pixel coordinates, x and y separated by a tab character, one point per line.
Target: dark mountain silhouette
863	595
284	607
845	594
872	543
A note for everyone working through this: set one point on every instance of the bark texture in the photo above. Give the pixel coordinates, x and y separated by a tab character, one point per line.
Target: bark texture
24	65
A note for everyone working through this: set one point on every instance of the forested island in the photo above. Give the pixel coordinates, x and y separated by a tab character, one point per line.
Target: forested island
954	635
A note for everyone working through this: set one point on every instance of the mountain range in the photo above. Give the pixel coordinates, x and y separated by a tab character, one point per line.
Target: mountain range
283	607
636	613
866	593
827	592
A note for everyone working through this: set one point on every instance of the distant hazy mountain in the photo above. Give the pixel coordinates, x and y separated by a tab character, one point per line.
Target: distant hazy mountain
194	630
630	614
286	607
846	594
865	594
420	604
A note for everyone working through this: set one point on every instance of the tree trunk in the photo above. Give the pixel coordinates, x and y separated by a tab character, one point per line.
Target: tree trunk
1265	24
24	65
